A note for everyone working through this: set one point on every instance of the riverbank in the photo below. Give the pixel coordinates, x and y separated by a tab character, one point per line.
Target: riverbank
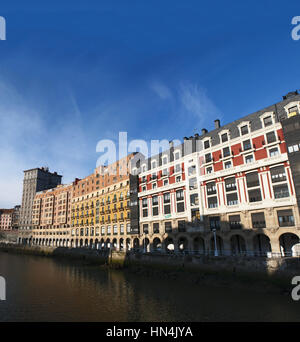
259	275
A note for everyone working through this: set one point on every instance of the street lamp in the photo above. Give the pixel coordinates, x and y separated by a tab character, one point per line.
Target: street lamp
215	239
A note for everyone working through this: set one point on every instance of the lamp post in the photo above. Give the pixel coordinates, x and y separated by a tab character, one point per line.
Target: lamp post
215	239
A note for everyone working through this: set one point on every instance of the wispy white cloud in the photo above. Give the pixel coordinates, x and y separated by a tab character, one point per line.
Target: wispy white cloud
197	104
161	90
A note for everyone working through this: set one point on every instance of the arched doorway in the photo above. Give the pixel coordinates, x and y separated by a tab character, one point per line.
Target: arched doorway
216	246
287	242
198	245
169	245
238	245
146	245
136	244
262	245
183	244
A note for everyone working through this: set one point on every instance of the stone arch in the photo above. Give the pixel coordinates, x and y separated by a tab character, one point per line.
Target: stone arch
121	244
128	244
169	245
287	241
216	246
136	243
198	245
261	245
115	243
146	245
237	245
183	244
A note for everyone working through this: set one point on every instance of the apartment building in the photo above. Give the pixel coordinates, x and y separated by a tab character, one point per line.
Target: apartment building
232	192
51	216
6	219
98	211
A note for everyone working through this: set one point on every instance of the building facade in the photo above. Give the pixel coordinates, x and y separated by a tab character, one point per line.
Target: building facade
35	180
233	190
6	219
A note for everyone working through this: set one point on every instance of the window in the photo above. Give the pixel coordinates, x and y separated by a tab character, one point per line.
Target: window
278	174
285	218
194	200
103	230
258	220
165	160
252	179
293	111
168	227
153	164
176	155
145	229
145	207
230	184
155	228
228	165
178	179
224	137
108	229
226	152
249	159
115	229
254	195
206	144
177	168
271	137
235	222
164	172
193	183
180	201
144	188
121	228
244	130
167	206
232	198
273	152
155	205
212	202
166	182
144	168
247	145
192	170
208	158
211	188
268	121
281	191
209	169
154	186
293	148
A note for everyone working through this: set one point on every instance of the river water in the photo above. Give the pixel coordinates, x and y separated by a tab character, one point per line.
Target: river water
46	289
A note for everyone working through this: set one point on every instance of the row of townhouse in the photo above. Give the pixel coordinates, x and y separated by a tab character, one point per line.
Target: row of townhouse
231	190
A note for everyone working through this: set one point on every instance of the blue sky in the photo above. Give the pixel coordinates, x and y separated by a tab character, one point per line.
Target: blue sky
72	74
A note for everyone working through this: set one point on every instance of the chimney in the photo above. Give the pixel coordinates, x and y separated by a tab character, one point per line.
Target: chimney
171	143
185	138
196	135
217	123
204	131
290	94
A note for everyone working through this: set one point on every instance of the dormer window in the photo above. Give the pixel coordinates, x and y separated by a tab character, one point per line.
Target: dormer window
165	160
267	119
206	144
224	137
244	130
176	155
292	108
153	164
293	111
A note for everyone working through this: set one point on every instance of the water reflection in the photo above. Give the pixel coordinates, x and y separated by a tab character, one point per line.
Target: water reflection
41	289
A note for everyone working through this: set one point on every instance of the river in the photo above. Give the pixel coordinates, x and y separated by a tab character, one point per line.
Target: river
47	289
